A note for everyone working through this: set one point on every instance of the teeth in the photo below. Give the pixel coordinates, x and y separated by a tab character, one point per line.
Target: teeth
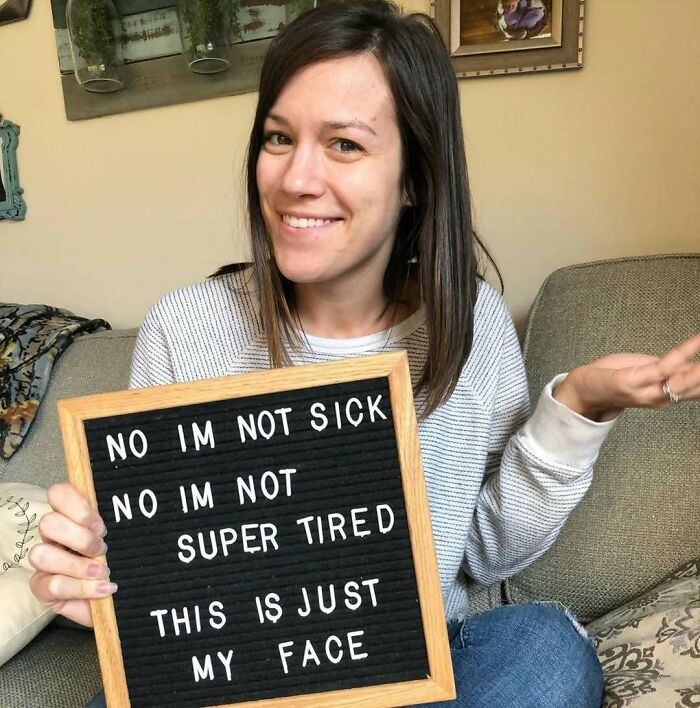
296	223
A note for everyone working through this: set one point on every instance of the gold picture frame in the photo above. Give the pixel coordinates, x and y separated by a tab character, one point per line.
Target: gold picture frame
497	37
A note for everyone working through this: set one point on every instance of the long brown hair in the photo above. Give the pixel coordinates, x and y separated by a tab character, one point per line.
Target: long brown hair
435	244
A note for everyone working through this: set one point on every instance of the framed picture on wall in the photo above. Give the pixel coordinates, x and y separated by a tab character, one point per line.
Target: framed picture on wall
491	37
12	204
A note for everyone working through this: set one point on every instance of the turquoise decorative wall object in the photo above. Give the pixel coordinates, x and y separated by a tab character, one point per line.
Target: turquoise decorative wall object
12	204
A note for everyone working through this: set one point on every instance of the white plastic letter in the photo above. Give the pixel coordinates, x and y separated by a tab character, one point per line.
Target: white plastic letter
158	614
147	493
334	659
121	507
266	415
184	543
373	407
202	672
356	645
249	427
284	654
217	619
206	438
354	421
283	412
317	411
117	446
385	527
144	443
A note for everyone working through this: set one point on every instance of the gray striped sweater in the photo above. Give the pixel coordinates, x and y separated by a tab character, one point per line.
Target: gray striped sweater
501	482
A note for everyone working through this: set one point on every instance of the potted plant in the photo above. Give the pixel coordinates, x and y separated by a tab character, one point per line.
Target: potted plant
95	31
207	28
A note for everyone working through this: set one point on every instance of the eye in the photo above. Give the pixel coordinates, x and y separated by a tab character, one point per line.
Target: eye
274	139
347	147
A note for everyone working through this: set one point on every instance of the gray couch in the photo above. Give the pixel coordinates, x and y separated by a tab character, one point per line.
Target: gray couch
639	522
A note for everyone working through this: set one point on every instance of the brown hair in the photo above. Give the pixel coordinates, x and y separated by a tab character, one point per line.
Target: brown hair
435	244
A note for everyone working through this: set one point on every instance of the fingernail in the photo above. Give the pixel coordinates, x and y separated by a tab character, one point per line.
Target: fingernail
99	528
106	588
102	550
97	570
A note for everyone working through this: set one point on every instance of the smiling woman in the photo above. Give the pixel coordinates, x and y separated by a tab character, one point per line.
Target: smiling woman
364	129
329	177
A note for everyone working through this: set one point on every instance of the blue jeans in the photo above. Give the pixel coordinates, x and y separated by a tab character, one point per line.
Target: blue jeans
518	656
523	656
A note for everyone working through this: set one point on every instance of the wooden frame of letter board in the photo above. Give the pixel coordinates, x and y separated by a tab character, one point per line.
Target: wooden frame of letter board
439	685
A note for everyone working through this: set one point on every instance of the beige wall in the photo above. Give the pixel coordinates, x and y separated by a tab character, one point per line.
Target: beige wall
566	167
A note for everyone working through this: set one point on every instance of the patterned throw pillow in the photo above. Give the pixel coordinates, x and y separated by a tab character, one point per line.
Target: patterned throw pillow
22	616
650	647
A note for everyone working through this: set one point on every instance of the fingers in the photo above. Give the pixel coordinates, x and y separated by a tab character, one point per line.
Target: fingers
67	574
66	581
48	558
67	500
686	383
52	589
673	361
623	381
78	611
59	529
679	355
73	523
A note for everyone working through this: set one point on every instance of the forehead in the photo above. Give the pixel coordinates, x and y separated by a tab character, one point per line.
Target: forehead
343	89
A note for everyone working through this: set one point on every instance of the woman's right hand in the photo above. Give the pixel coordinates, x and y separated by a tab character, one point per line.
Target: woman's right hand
69	564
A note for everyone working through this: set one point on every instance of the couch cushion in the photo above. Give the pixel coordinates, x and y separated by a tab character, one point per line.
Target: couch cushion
58	669
640	518
650	647
92	364
22	616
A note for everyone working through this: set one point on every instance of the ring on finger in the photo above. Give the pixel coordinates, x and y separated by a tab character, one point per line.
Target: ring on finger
669	393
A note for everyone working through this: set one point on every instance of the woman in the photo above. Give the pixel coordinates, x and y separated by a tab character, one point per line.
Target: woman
362	238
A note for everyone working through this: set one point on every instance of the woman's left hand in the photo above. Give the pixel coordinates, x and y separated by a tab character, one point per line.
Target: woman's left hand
602	389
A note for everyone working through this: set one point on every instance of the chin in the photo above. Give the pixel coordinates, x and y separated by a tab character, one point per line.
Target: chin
297	271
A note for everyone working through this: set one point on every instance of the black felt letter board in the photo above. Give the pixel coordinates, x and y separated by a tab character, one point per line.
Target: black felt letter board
219	594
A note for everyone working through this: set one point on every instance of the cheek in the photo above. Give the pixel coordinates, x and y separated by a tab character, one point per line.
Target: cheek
378	201
265	174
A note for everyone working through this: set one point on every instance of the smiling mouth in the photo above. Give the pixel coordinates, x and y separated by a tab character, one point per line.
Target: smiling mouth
305	223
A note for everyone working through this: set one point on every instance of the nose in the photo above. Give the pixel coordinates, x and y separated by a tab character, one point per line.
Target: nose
303	174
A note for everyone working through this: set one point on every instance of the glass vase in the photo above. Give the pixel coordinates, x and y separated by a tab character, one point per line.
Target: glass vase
207	28
96	32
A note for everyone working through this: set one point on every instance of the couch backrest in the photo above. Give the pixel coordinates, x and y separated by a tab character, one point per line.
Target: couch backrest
639	520
94	363
641	517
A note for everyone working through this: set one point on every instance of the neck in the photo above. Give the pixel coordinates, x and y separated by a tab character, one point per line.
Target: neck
335	314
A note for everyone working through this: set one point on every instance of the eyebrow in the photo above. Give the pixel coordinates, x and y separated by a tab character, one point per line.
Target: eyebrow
332	125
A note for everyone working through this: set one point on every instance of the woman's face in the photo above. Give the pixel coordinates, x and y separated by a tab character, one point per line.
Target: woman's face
329	174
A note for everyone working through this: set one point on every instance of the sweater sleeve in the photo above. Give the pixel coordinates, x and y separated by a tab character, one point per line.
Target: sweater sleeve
537	471
151	363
